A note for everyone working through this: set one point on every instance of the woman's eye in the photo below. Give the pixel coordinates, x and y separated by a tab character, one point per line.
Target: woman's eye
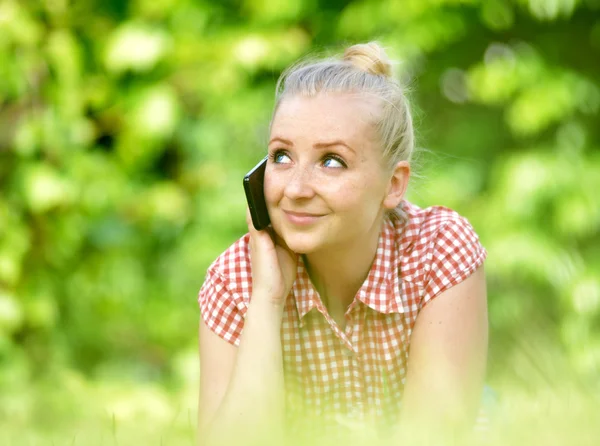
280	157
333	162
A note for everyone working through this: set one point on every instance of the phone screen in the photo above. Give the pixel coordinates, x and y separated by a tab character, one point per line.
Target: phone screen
255	195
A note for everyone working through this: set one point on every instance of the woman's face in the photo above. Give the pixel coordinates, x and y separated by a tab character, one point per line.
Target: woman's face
325	183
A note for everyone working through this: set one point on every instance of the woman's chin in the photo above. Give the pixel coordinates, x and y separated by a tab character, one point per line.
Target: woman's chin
300	240
301	245
301	249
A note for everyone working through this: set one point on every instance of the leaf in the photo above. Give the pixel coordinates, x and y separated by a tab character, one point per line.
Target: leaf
11	314
135	46
45	189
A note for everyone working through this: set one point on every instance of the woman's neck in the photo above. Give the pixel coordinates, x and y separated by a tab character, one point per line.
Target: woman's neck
338	274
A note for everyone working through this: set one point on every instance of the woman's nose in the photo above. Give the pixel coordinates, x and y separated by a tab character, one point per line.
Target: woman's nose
299	185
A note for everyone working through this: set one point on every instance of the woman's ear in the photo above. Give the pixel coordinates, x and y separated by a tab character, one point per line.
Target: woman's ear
397	185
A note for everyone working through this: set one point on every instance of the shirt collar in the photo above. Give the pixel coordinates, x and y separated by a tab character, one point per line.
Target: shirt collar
377	289
304	291
381	290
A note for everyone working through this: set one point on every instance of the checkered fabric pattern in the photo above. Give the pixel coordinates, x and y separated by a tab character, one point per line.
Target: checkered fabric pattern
338	376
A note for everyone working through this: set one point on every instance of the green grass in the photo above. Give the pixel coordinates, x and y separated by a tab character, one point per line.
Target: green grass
111	414
67	409
76	412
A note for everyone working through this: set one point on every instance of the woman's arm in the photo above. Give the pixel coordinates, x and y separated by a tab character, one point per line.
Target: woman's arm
241	389
447	360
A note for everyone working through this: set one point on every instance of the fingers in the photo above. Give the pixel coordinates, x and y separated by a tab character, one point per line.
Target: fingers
267	233
257	237
249	220
279	241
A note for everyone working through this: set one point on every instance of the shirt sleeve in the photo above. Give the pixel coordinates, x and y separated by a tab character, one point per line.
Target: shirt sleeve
455	253
221	309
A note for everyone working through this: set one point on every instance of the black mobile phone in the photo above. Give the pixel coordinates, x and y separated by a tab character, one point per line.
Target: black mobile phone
255	195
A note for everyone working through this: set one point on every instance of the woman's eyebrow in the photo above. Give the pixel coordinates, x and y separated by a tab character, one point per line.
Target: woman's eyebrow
279	139
319	145
337	142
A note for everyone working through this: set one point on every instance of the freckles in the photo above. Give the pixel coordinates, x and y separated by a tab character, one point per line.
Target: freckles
271	194
342	189
347	196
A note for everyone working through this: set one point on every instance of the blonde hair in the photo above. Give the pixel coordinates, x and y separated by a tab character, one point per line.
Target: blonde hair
363	68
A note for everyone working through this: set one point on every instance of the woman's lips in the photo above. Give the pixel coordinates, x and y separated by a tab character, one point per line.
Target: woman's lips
302	218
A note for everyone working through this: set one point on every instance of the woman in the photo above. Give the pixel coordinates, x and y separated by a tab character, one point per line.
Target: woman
357	308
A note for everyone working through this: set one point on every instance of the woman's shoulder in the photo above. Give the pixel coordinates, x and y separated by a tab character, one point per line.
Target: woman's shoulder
233	265
224	295
423	228
441	248
431	216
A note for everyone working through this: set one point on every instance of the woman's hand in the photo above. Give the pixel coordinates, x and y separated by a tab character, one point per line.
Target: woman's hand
273	265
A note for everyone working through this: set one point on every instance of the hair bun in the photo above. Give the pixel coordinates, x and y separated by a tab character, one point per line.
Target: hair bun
369	57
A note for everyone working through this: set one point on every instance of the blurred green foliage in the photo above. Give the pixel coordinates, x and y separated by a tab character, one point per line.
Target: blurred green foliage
126	127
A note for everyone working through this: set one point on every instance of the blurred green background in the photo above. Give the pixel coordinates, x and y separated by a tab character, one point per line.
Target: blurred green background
125	130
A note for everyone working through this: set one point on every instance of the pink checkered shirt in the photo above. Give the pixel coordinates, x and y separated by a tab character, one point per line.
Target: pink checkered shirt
335	376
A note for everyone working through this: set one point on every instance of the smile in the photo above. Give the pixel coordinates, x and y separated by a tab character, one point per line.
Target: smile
302	218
